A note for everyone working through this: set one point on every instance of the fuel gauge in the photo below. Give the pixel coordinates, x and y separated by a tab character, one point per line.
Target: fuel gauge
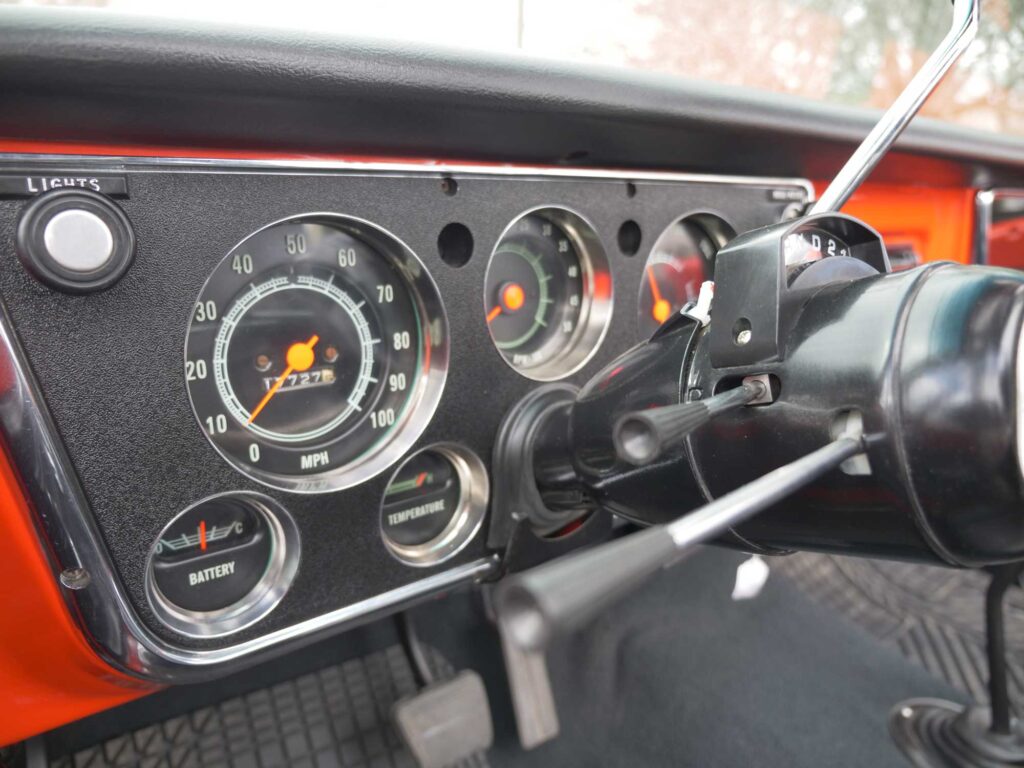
682	258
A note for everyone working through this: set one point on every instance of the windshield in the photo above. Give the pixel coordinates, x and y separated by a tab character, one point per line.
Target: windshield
854	52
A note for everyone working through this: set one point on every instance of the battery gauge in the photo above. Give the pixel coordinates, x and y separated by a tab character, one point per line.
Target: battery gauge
222	564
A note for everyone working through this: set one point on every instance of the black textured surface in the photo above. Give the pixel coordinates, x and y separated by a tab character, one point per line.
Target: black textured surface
338	716
111	368
87	76
934	616
682	675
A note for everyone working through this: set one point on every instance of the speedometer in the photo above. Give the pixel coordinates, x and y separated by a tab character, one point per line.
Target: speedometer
316	353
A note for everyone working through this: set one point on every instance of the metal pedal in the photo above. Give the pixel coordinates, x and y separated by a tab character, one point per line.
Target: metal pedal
446	723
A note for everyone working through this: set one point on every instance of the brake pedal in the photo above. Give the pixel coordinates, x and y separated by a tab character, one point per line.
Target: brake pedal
447	722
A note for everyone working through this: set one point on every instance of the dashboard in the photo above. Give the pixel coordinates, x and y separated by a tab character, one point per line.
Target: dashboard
296	371
251	388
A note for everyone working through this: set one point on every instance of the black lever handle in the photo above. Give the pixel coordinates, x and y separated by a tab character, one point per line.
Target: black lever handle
641	437
559	596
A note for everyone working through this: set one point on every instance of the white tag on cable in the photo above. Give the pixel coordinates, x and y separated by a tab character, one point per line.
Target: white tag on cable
701	311
751	576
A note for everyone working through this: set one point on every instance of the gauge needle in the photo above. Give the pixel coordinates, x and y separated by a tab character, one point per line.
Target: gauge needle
202	535
300	358
661	309
512	298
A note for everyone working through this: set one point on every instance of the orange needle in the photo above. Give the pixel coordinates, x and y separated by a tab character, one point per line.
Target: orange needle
420	480
661	309
202	534
493	313
300	358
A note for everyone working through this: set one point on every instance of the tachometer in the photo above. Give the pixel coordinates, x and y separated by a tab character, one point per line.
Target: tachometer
548	293
316	353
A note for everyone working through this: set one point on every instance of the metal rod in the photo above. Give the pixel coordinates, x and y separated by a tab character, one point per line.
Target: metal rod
896	118
736	506
995	646
557	597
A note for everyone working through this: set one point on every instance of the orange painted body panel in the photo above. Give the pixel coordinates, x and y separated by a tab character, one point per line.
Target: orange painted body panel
49	675
1006	243
936	222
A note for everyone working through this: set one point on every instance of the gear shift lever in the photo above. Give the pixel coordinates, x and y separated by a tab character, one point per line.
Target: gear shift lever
932	732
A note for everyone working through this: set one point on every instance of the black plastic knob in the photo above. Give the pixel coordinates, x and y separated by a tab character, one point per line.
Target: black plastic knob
641	437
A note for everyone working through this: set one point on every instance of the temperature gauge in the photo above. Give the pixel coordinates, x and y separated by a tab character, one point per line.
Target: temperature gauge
434	504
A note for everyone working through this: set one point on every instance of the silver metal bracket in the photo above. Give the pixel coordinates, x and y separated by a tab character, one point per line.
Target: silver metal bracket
530	686
881	138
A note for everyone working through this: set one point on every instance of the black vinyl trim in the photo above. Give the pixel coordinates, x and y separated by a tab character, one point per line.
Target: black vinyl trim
87	76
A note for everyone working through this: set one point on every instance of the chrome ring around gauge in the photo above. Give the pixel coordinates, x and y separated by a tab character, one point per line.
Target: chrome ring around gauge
434	504
548	293
222	564
316	353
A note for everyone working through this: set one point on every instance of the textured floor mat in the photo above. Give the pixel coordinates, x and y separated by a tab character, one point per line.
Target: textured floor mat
935	616
337	716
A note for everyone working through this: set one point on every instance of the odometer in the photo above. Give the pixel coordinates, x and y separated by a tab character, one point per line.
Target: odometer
316	353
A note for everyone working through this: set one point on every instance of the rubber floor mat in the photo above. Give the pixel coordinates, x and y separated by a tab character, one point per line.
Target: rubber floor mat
935	616
338	716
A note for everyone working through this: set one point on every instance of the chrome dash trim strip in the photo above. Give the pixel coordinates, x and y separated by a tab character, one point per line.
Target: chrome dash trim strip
984	200
986	204
427	167
102	608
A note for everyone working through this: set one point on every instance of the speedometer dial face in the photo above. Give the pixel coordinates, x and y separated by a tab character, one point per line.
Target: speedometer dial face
547	293
316	353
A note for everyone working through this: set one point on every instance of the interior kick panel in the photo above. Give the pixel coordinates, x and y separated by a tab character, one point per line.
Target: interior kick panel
110	363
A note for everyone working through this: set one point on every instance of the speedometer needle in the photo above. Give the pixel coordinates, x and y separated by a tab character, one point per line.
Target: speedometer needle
299	358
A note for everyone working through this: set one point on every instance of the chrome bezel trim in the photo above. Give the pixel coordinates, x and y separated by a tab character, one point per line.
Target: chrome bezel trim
985	201
474	493
108	618
421	405
425	168
595	312
261	599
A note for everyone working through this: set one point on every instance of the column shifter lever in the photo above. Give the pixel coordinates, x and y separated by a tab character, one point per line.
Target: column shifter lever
559	596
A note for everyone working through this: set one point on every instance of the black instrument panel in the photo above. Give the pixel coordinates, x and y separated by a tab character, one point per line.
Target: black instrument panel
110	364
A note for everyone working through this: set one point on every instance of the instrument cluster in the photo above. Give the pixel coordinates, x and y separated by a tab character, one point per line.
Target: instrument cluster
318	349
320	366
